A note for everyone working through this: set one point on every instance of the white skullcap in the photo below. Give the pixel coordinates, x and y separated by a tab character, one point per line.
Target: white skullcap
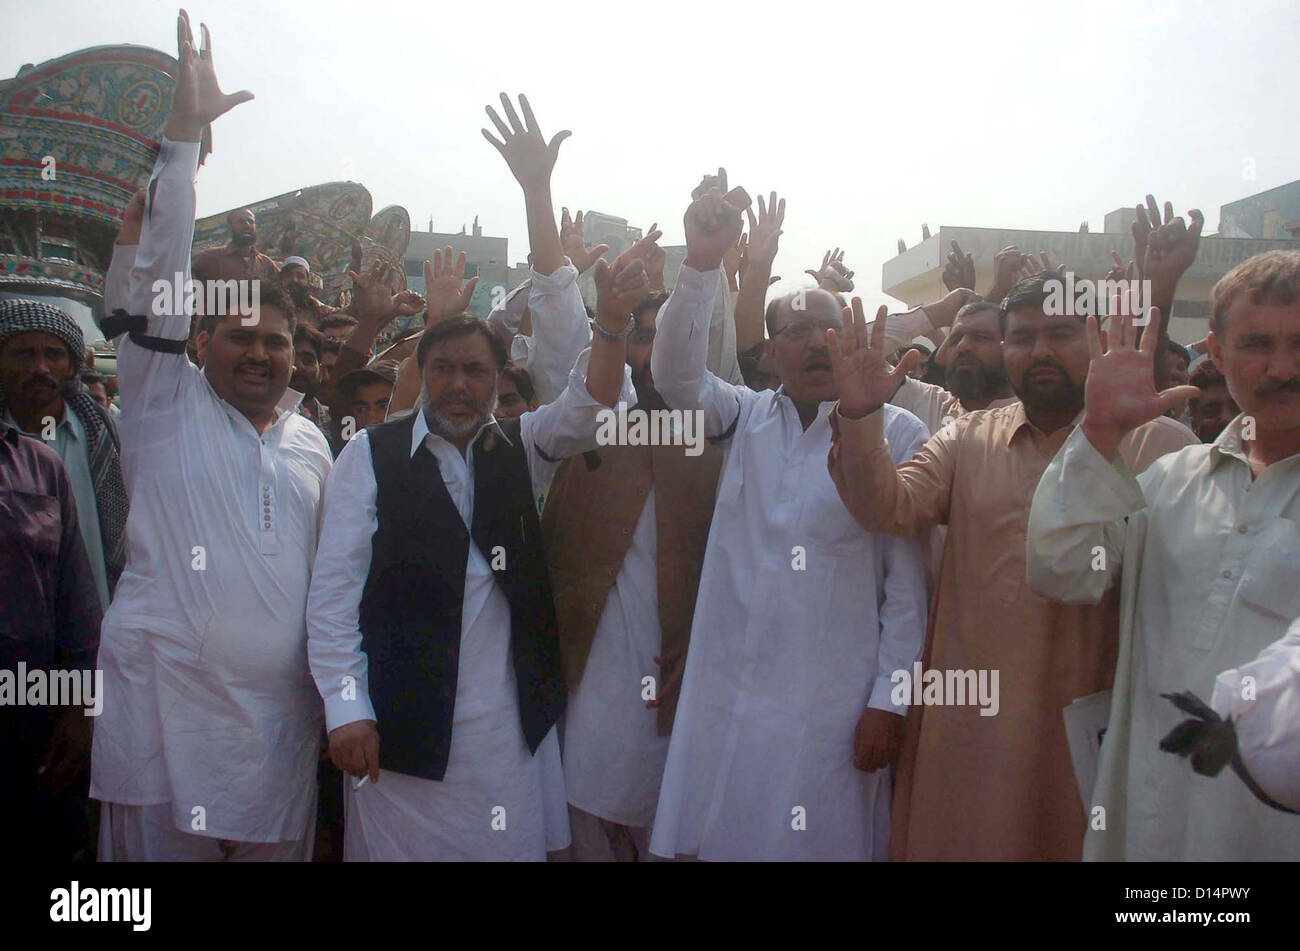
301	262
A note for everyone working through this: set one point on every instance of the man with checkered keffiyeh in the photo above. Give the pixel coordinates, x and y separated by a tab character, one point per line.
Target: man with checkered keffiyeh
41	350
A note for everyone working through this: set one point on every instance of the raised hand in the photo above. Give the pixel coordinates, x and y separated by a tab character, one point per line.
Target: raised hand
654	259
944	311
619	288
526	151
765	231
833	275
863	377
1032	268
960	270
713	224
373	297
1009	266
197	98
645	249
1120	394
709	181
442	283
1118	270
574	242
1170	250
731	263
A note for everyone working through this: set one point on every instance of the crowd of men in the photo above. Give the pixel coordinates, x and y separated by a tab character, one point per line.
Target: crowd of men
374	598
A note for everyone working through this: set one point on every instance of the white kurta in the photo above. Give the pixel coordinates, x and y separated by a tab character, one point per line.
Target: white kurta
496	801
801	618
613	753
1209	565
1262	698
208	701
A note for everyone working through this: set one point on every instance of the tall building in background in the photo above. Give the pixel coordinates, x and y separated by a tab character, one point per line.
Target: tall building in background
1268	221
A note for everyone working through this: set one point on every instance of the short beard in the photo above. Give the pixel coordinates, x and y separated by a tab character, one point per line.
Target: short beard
1069	397
440	425
243	240
975	385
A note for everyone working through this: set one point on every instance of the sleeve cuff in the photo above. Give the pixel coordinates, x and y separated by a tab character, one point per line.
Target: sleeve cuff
882	692
1107	486
558	280
178	158
702	283
340	712
578	383
861	436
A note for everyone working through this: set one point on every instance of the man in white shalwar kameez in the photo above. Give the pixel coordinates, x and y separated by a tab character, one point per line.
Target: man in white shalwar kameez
1206	547
787	720
208	741
470	783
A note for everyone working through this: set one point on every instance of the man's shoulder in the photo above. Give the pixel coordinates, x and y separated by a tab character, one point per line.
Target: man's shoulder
903	422
42	457
303	428
1159	440
1167	428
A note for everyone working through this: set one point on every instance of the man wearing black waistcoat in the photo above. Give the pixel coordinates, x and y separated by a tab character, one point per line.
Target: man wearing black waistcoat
430	620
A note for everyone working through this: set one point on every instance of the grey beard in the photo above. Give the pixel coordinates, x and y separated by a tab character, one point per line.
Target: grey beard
442	426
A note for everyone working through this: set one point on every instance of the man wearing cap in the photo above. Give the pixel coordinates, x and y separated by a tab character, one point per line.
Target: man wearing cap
41	394
239	260
295	277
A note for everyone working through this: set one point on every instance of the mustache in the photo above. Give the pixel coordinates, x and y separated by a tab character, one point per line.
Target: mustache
1045	364
43	380
1269	386
459	397
253	365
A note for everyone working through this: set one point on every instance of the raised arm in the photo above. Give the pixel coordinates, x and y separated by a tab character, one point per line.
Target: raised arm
560	327
901	499
679	361
755	278
1163	251
376	307
150	374
569	425
1075	542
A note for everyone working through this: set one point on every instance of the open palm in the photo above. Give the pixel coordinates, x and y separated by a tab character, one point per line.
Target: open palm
864	379
197	98
526	151
1121	394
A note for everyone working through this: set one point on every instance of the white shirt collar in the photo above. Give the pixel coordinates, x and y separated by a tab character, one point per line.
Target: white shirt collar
287	405
421	429
823	408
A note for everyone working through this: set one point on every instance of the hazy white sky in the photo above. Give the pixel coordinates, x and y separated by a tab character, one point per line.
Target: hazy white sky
869	118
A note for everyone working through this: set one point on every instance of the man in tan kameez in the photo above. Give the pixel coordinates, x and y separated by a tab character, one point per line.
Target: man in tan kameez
997	787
